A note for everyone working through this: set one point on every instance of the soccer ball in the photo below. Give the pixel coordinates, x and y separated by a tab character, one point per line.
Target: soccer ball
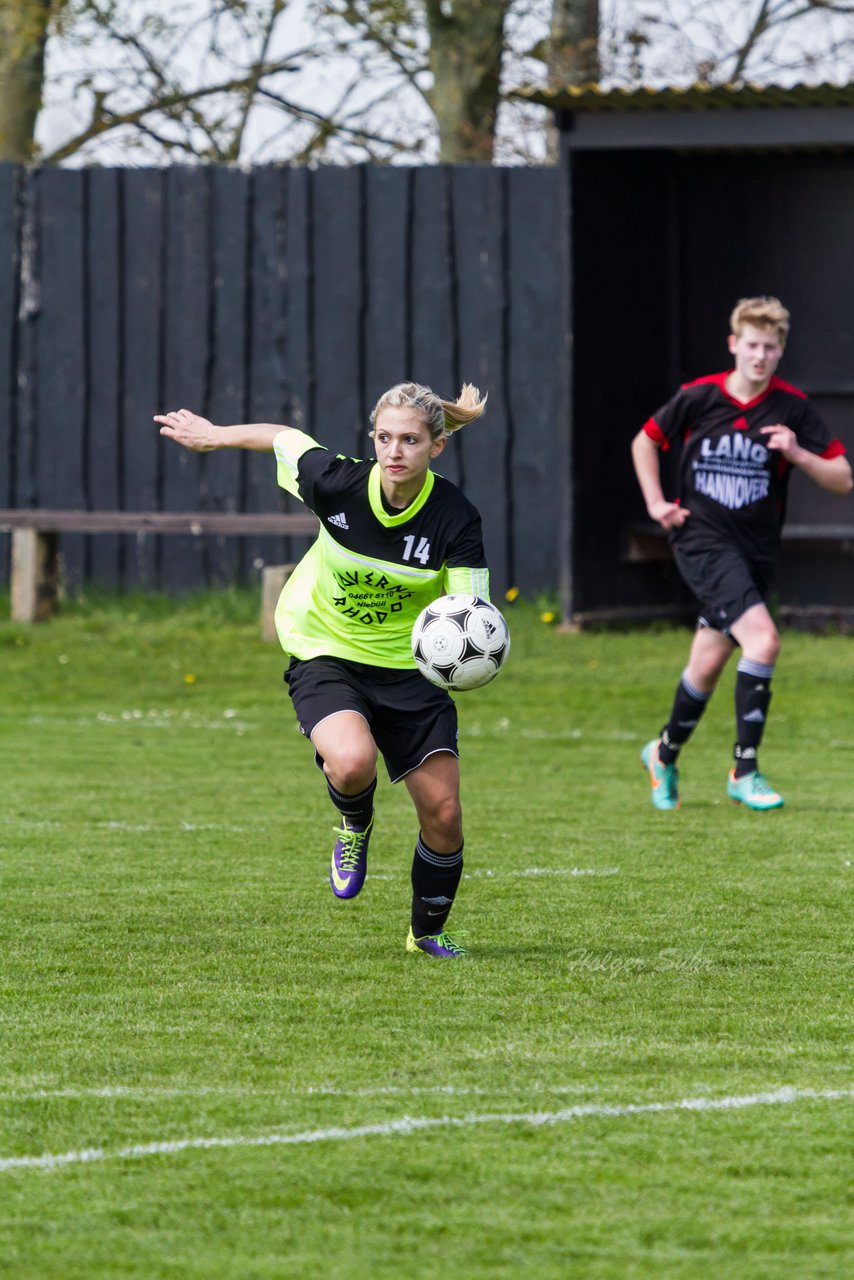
460	642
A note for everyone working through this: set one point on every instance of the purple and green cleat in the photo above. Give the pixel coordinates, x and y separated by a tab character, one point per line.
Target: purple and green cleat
442	946
349	864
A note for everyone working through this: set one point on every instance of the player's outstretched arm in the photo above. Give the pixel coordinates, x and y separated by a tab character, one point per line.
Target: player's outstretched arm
645	456
832	474
199	435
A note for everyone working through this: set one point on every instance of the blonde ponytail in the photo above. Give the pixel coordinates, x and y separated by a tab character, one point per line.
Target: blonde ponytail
441	417
468	405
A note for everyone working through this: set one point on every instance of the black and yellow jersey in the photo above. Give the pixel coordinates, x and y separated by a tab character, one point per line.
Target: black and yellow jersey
360	587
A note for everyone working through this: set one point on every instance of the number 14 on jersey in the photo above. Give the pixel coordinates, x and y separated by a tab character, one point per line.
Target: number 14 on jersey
421	552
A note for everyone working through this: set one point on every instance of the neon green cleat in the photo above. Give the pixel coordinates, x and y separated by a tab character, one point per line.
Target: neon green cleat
753	790
443	946
663	777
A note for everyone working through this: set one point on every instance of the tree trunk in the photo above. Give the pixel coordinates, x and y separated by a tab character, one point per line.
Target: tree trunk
573	43
573	54
23	35
466	45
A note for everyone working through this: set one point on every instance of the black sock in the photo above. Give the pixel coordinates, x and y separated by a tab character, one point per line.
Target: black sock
752	699
688	706
357	808
435	877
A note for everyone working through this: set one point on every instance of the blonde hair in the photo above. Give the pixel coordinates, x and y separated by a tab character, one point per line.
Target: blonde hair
765	313
441	417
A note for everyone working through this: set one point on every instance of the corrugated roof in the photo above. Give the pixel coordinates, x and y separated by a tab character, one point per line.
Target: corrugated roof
695	97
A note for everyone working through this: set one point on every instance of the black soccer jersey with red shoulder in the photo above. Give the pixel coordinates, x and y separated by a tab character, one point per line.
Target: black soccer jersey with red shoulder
733	485
360	587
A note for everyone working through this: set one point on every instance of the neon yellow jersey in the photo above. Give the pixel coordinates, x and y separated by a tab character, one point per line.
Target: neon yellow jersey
358	590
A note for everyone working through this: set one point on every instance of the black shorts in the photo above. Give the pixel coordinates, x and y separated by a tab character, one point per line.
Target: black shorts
409	718
725	581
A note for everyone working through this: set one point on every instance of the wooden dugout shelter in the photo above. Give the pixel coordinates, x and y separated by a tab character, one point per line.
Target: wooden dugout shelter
675	203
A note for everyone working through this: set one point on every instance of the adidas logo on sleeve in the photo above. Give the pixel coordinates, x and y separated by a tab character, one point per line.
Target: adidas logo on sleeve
340	521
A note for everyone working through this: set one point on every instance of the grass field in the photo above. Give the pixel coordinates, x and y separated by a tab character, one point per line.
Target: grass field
212	1068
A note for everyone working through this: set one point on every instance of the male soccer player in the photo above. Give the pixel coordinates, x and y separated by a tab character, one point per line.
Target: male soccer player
739	434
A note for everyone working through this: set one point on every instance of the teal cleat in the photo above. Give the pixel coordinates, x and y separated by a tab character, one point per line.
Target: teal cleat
663	777
753	790
443	946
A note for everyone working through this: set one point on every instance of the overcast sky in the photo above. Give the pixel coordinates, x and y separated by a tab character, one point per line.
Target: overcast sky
683	33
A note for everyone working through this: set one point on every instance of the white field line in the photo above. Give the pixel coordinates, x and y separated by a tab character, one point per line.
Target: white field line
123	1091
488	874
230	829
152	1093
545	871
414	1124
160	828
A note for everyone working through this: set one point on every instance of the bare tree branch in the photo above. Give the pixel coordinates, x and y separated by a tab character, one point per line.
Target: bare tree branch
254	80
102	119
760	25
387	41
202	78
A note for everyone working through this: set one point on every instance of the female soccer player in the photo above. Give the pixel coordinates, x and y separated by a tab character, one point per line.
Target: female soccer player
739	434
393	536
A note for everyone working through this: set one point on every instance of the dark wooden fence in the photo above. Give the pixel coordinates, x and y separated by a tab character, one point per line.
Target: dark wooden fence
282	295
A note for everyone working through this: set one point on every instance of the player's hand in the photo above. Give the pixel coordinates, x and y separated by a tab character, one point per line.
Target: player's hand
782	439
670	515
189	430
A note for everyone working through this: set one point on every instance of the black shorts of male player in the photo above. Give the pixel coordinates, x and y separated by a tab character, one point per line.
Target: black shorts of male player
409	718
724	580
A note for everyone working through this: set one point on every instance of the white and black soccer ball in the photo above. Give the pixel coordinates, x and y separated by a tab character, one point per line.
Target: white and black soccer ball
460	642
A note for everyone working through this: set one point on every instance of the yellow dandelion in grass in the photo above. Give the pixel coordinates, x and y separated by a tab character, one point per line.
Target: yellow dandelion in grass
547	616
511	594
189	678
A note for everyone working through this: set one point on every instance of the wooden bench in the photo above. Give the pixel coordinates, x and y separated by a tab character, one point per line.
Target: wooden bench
36	533
647	541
